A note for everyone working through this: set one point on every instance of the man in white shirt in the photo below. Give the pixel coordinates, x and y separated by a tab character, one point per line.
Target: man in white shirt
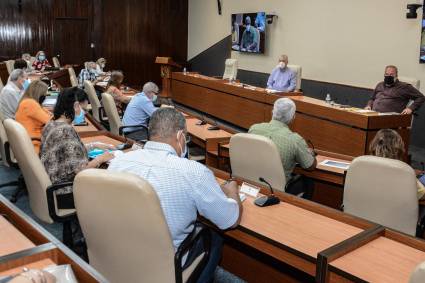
184	187
11	94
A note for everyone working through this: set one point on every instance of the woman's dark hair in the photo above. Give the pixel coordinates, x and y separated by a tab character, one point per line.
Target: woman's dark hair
116	79
82	96
20	64
387	143
66	101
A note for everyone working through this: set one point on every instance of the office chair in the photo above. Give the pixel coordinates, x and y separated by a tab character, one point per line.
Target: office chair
230	69
298	73
41	192
115	125
56	63
418	275
127	236
96	107
413	81
384	191
9	65
263	160
72	77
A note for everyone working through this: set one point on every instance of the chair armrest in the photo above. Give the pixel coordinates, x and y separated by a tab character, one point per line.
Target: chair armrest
200	232
51	201
102	114
120	130
8	156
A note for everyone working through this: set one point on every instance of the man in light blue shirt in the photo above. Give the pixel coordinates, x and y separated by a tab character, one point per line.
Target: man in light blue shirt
184	187
282	78
139	111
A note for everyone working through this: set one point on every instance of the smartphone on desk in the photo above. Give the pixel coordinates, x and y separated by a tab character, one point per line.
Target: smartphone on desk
81	124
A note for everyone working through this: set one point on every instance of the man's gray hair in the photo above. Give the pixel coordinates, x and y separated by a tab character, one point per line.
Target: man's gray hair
150	87
165	123
284	110
16	74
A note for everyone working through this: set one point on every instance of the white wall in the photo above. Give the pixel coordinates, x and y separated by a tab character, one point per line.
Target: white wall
339	41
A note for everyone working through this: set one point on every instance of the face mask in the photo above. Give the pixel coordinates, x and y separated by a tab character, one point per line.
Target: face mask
41	58
248	27
80	118
389	80
41	99
25	84
282	65
182	152
154	97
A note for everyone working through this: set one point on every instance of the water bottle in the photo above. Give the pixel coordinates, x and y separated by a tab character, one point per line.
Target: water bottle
328	98
184	71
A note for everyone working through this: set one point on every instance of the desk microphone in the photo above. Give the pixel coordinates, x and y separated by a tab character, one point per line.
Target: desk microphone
202	121
267	200
312	147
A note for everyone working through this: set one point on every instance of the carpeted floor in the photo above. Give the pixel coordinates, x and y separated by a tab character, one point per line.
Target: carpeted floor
10	174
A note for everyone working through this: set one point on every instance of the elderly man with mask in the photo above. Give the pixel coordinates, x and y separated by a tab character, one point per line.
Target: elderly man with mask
139	111
292	147
184	187
11	94
282	78
249	40
391	95
88	74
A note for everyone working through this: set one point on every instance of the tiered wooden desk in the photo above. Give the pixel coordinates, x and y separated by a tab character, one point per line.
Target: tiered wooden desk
24	243
328	128
298	240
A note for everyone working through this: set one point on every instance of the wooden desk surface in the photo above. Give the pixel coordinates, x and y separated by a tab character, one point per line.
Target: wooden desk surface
295	227
11	239
381	260
202	132
89	128
40	264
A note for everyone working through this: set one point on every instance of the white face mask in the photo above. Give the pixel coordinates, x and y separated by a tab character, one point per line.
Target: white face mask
281	65
182	152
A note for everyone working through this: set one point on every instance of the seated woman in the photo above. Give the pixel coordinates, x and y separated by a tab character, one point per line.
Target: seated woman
62	152
388	143
80	112
40	62
113	88
31	114
100	66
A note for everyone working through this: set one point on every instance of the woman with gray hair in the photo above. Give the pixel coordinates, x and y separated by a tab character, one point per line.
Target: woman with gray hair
292	147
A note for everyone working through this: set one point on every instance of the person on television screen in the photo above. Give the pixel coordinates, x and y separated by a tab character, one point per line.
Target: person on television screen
260	21
249	37
282	78
391	95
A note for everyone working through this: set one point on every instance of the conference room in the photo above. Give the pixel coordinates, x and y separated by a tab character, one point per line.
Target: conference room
212	141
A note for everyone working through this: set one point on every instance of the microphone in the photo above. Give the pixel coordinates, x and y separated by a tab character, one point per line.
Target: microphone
312	147
267	200
202	121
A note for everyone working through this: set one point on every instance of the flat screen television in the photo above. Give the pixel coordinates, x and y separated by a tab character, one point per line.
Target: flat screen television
249	32
422	50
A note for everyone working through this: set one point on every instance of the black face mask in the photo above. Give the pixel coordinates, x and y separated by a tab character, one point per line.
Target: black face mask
41	99
389	80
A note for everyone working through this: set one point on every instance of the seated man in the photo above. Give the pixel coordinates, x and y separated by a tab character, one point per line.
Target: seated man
139	110
250	39
88	74
292	147
282	78
11	94
184	187
391	95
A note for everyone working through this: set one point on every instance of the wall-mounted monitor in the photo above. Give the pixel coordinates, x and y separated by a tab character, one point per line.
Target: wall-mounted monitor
249	32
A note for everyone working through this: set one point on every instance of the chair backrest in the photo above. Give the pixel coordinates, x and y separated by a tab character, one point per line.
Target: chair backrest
254	156
94	101
72	77
1	85
298	73
9	65
128	239
413	81
112	113
384	191
230	69
418	275
32	60
3	140
56	63
36	178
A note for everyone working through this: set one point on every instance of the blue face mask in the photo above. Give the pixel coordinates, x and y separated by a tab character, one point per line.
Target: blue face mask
26	84
41	58
154	97
79	119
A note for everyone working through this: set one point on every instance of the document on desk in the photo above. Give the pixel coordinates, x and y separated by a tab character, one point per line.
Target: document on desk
335	164
249	189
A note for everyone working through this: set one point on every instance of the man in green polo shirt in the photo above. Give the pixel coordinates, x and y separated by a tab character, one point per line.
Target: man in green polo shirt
292	147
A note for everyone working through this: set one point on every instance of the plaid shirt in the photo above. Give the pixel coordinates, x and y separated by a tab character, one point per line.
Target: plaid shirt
86	75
